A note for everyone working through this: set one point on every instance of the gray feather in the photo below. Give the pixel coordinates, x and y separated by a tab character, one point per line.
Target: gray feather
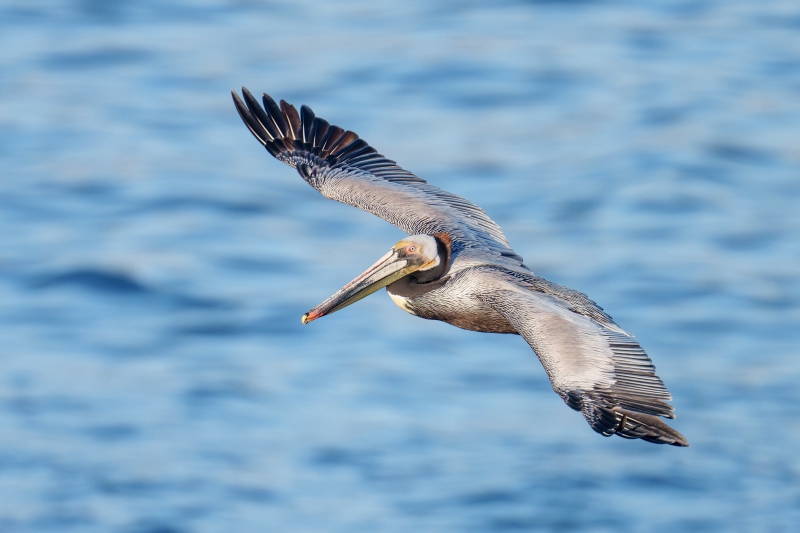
592	364
348	170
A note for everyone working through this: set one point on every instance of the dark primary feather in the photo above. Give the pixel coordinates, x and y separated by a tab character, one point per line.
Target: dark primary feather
278	119
344	167
306	121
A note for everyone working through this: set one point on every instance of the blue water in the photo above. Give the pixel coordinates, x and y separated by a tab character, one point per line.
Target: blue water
155	262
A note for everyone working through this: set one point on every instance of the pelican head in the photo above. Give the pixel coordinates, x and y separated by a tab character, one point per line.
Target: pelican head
416	253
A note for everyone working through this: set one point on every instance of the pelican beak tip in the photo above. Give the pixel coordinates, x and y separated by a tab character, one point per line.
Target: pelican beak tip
308	317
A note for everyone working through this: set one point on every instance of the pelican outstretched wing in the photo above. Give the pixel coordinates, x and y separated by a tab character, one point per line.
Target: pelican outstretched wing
593	365
345	168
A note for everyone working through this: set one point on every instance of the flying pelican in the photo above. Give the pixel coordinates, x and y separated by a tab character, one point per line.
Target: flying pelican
457	266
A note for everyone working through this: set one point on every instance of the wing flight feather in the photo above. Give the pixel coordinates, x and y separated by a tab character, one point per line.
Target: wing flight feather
593	365
345	168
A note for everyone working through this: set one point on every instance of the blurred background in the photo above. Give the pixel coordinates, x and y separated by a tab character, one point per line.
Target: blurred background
155	262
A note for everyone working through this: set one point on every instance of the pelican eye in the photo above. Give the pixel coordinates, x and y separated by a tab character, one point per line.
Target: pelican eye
411	249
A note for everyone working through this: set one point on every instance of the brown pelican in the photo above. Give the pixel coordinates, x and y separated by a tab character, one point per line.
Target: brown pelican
457	266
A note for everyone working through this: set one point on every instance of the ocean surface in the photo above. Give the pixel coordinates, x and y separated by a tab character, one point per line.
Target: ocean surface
155	262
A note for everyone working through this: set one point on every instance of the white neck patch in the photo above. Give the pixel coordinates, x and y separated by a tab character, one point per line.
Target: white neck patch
402	303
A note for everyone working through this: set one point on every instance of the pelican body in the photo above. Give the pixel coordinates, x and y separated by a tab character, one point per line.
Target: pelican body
456	266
